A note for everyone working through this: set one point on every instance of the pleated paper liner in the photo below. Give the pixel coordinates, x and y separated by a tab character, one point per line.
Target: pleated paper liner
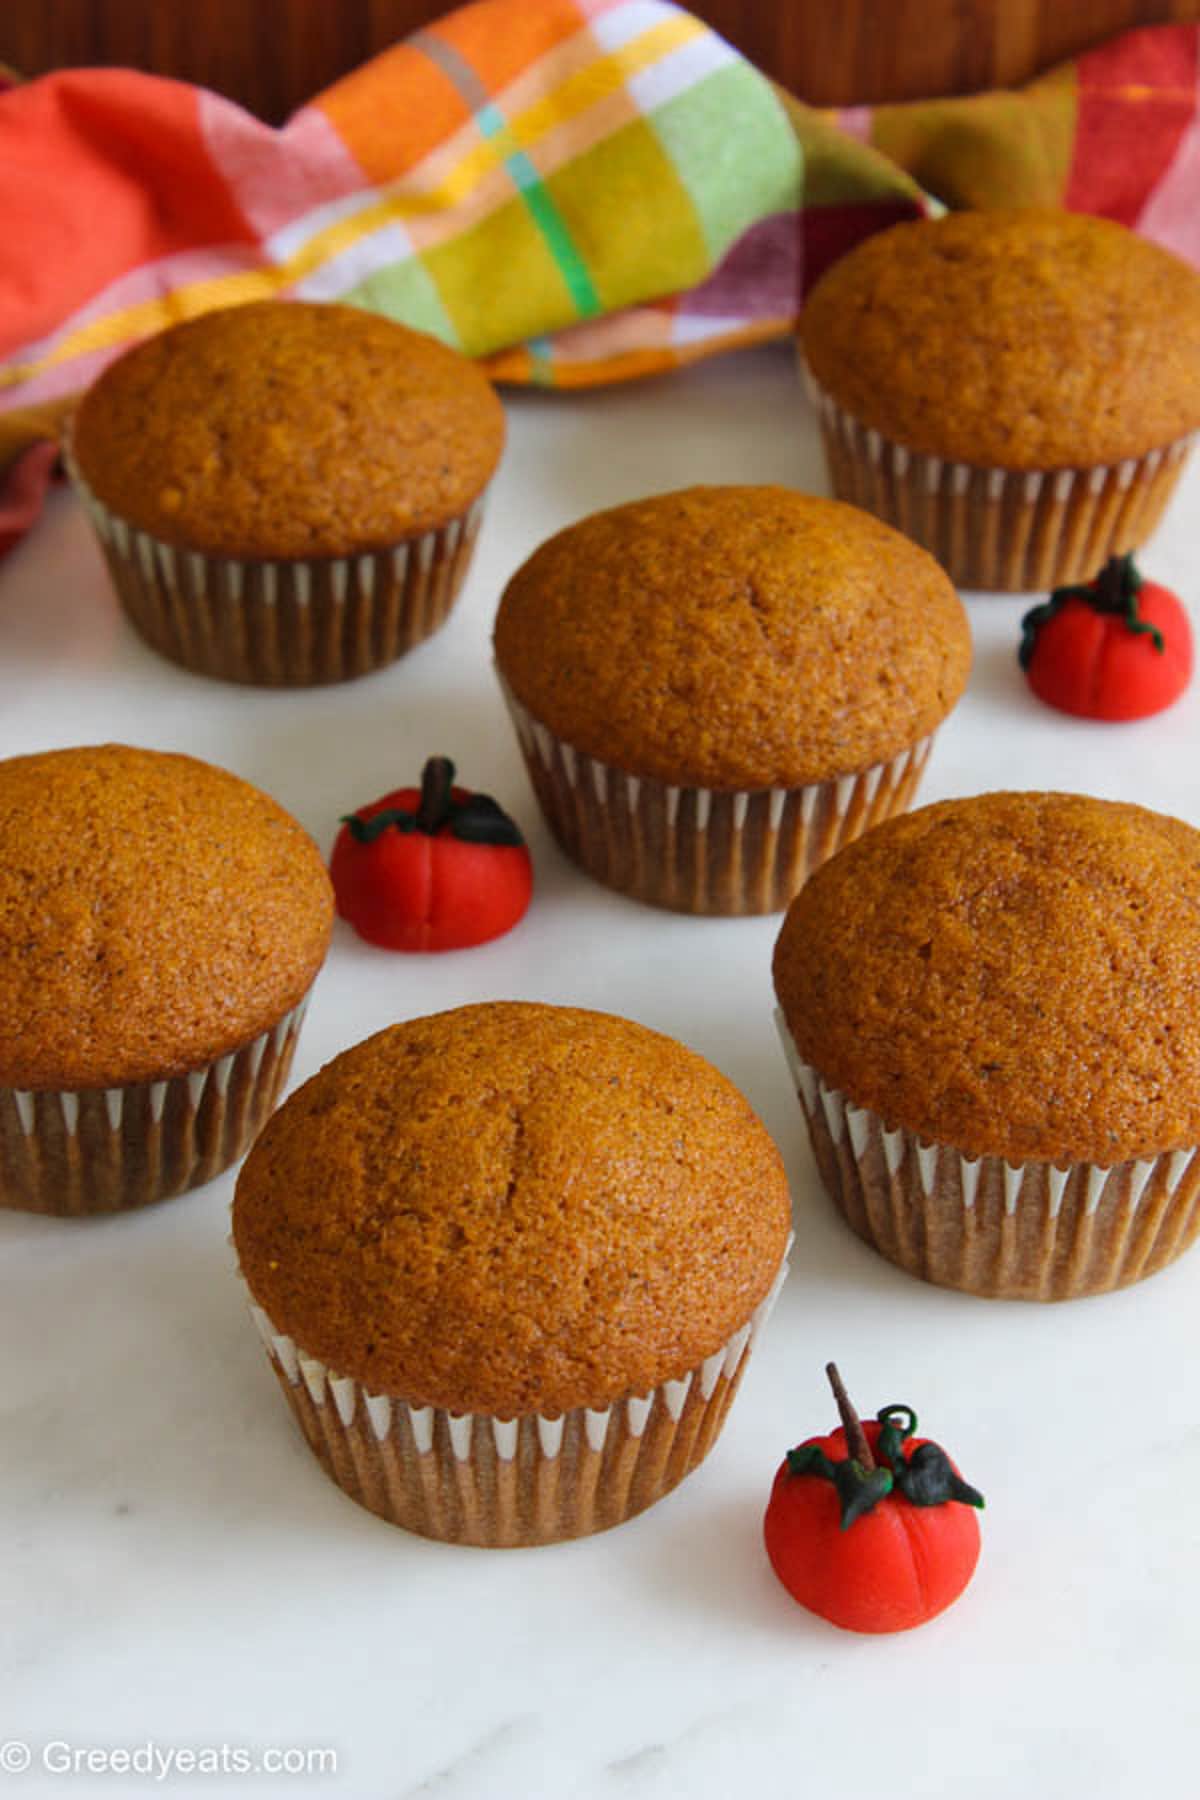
1019	1231
474	1479
284	623
700	850
105	1150
1009	530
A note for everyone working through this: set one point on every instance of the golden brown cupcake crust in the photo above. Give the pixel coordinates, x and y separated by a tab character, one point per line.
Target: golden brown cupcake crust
1014	975
291	430
1017	339
734	638
155	913
512	1208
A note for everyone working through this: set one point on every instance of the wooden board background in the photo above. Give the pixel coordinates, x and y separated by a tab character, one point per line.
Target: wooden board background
273	54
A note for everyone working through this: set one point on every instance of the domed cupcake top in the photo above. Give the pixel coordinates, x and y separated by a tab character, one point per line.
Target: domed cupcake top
1017	975
287	429
734	638
512	1208
1024	338
155	913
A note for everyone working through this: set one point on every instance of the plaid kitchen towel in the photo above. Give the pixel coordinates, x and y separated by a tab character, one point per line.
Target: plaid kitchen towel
576	191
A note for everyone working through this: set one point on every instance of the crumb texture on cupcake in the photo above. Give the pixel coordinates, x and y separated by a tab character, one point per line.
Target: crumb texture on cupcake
1025	338
512	1208
734	638
155	914
284	429
1015	974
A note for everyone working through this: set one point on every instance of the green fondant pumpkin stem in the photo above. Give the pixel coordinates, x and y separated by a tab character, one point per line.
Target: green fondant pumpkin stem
1115	591
856	1437
896	1425
476	820
925	1476
365	831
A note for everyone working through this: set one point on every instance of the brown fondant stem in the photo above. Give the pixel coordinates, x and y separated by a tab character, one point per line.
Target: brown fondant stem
856	1437
433	809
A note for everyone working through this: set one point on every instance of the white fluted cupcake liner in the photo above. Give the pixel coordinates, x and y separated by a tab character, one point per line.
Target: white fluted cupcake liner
1024	1231
105	1150
1011	530
286	623
472	1478
700	850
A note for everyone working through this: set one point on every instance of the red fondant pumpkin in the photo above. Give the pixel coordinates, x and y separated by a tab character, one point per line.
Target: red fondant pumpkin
1118	648
434	868
895	1564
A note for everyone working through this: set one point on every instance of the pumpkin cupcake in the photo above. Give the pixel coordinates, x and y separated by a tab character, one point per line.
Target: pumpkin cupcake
1014	389
287	493
992	1011
162	925
508	1262
714	689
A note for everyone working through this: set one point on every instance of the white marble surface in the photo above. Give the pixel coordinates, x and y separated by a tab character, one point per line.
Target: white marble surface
178	1572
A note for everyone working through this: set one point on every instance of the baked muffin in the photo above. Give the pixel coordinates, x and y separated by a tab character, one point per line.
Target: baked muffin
1015	389
508	1262
161	923
714	689
992	1011
287	493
